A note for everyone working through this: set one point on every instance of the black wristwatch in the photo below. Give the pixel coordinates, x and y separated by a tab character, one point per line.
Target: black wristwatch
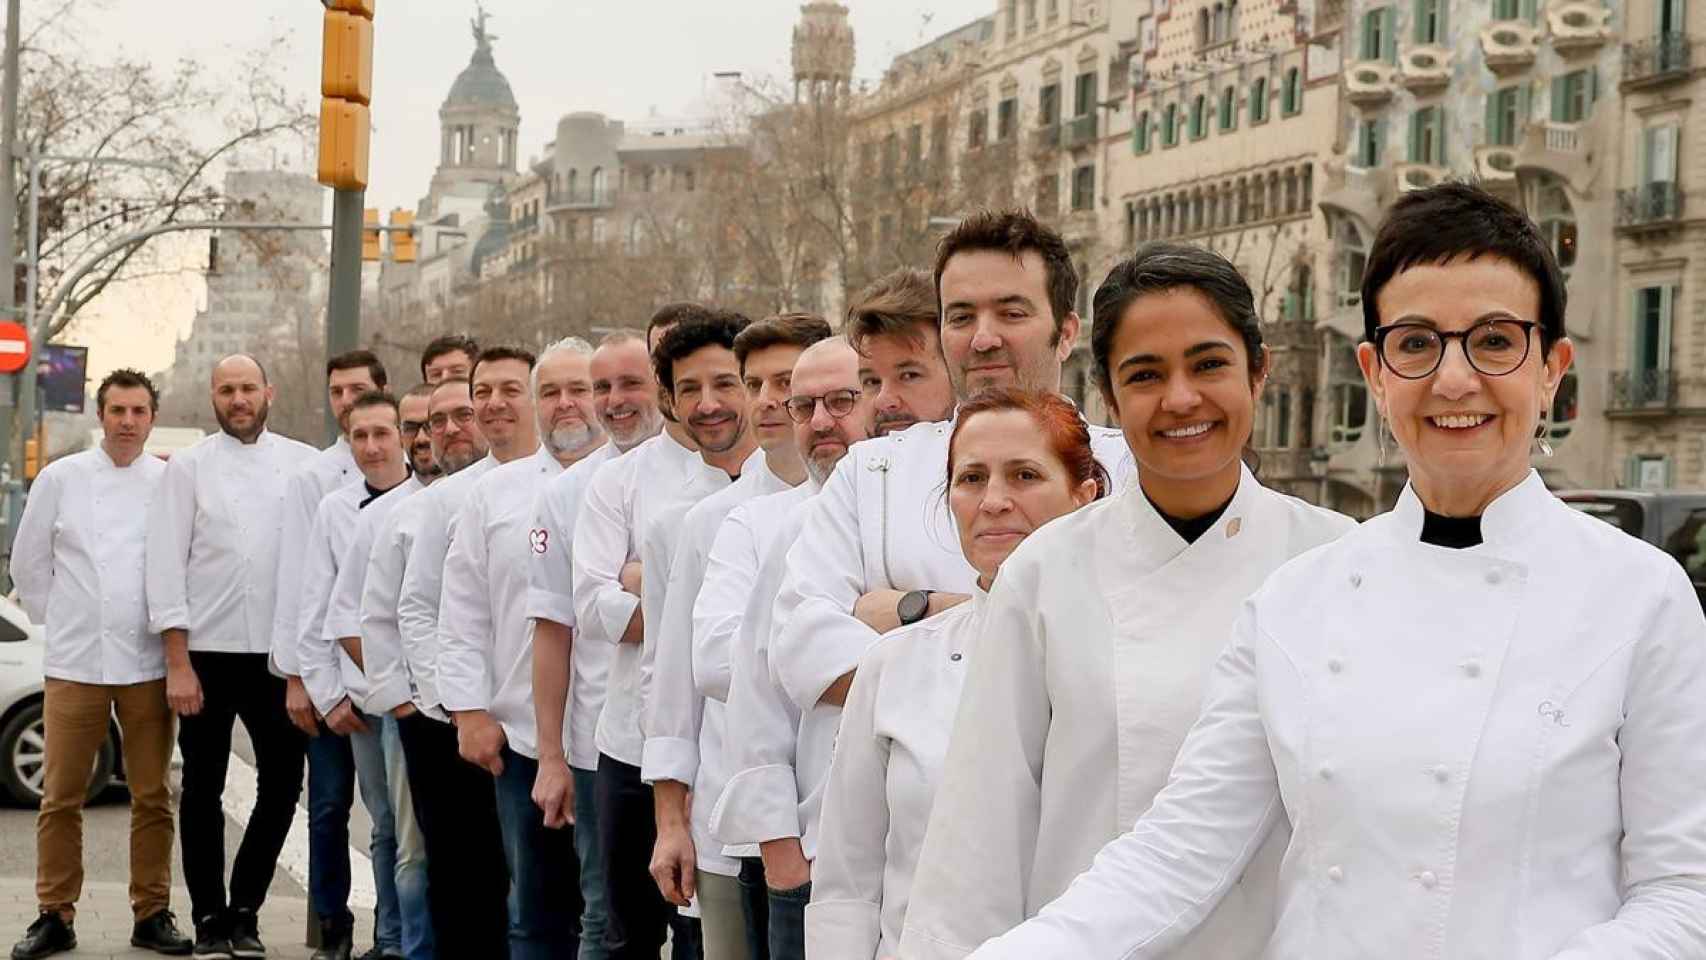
913	606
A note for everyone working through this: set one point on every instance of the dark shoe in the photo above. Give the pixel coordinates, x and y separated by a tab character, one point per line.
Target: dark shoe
246	935
212	939
50	934
378	953
337	941
160	934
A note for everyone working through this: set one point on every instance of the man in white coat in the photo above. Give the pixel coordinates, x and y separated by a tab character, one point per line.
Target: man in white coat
569	677
77	561
730	628
345	750
684	737
401	682
212	572
879	548
485	654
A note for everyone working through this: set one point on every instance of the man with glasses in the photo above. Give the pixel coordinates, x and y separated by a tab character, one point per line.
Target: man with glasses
684	734
417	440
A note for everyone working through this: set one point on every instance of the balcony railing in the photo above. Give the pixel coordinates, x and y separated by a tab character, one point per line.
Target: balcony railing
1046	139
1081	131
1657	60
1649	206
584	199
1562	137
1643	390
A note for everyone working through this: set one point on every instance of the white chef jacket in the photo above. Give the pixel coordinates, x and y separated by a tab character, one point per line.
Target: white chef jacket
1484	753
422	591
387	688
327	671
1102	631
389	670
550	596
766	798
623	498
324	472
888	756
685	734
485	642
78	563
213	540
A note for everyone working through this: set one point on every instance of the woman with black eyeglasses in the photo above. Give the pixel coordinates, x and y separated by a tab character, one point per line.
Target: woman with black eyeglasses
1483	714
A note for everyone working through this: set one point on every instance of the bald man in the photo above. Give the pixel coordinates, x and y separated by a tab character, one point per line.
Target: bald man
212	574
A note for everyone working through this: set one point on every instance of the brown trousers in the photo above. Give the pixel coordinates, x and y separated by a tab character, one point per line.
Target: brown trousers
76	716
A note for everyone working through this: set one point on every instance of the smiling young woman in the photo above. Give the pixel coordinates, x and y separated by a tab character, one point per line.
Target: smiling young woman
1479	715
1101	629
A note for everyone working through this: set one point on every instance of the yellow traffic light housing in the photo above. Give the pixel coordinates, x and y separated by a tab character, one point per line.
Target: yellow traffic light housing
32	458
344	132
346	64
403	248
346	89
370	247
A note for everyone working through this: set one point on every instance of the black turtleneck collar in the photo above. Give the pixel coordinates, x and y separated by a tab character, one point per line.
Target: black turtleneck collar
374	493
1453	533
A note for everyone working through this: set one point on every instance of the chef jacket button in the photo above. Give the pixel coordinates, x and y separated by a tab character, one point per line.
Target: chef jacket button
1471	669
1335	665
1441	773
1335	874
1326	772
1494	576
1356	580
955	657
1428	880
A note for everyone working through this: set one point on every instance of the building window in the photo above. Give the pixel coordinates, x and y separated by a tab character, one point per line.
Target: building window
1566	406
891	158
1048	194
598	185
1350	411
1228	108
1006	119
1259	100
1370	142
598	230
1378	36
1291	96
1353	261
1573	95
1430	21
1427	136
1515	10
1048	106
1205	30
1649	471
1199	117
1275	427
1140	133
1557	219
1130	223
978	130
915	150
1170	126
1084	95
1654	311
939	147
1507	112
1083	187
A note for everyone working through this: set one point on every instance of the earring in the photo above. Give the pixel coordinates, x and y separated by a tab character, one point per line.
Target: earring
1542	445
1380	438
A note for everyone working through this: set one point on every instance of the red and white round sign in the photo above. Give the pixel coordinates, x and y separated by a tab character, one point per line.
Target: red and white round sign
14	347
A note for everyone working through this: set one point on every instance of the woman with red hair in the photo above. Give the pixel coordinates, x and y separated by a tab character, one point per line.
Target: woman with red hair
1016	460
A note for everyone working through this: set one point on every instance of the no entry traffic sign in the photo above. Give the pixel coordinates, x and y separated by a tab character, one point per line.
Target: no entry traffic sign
14	347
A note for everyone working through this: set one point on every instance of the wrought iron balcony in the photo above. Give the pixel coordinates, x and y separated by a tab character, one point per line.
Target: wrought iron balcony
584	199
1658	60
1081	131
1641	390
1046	139
1650	206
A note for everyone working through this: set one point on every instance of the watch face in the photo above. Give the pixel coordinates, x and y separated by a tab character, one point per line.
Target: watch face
913	606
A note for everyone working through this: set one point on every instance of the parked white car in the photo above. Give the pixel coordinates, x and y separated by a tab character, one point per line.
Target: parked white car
23	741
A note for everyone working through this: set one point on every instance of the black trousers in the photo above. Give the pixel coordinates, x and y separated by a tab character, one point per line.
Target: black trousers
236	686
627	831
456	807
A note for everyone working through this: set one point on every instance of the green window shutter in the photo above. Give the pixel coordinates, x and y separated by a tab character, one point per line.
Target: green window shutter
1667	309
1530	10
1440	153
1379	141
1419	21
1493	130
1370	35
1593	84
1416	125
1389	34
1524	109
1638	343
1560	99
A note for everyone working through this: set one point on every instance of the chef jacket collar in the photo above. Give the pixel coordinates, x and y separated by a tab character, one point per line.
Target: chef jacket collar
262	439
1152	531
1511	516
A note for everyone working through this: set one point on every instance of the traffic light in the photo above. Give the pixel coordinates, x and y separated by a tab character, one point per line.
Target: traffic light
370	248
346	90
32	458
403	249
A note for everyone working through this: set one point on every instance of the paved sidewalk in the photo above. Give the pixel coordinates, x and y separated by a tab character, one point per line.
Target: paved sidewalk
104	921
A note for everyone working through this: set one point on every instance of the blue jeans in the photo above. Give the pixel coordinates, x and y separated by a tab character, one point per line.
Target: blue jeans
335	763
544	891
411	872
755	907
593	915
788	922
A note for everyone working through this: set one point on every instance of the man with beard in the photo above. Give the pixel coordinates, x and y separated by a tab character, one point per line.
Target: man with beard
569	677
212	575
485	655
684	747
462	923
764	799
893	325
417	440
346	749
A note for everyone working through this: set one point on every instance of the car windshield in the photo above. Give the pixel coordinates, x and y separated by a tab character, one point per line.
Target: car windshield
1626	515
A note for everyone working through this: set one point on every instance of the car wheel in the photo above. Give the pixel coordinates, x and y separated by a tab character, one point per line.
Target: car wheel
23	756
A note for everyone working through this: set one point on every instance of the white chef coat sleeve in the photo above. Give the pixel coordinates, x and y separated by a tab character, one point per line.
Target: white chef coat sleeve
673	708
815	638
381	642
1148	890
465	622
417	604
602	607
761	801
301	505
1662	781
343	611
550	572
844	920
316	659
731	571
32	546
171	524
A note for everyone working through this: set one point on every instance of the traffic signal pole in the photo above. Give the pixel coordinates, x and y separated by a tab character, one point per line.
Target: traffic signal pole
346	90
343	299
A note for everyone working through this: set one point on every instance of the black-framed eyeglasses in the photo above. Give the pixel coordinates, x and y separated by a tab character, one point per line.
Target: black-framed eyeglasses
462	415
1493	347
413	427
839	403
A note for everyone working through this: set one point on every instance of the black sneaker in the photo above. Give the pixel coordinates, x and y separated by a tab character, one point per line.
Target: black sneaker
160	934
50	934
380	953
212	939
246	935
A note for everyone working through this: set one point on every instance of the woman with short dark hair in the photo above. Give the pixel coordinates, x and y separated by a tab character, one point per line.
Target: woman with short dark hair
1102	628
1482	713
